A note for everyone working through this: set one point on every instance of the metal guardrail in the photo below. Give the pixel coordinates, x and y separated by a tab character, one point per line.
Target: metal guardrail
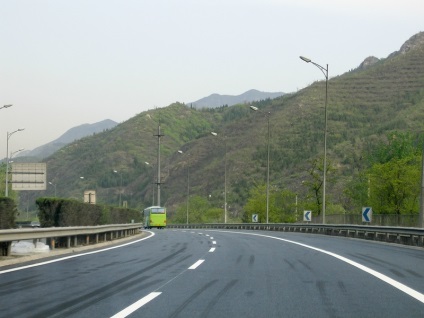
399	235
73	236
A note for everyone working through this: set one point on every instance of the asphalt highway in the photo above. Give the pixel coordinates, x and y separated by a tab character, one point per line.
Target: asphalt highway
221	273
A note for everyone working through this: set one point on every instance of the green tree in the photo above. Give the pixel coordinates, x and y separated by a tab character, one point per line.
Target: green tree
397	145
200	211
394	185
357	192
314	182
282	205
256	204
391	181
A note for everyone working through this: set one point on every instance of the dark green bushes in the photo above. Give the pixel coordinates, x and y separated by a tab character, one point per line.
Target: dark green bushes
8	213
63	212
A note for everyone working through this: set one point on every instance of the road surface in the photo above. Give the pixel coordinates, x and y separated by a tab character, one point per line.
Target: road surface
221	273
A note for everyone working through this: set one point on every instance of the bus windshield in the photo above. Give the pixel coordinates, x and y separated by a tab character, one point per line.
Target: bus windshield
157	210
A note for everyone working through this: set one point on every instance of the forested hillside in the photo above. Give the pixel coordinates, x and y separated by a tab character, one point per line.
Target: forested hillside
366	108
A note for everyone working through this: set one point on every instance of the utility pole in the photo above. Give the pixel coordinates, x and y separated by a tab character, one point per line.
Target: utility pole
159	135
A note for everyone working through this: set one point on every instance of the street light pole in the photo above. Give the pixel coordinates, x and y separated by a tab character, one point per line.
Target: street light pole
158	182
54	185
225	176
324	71
421	212
6	106
153	186
13	153
7	158
188	183
267	165
120	190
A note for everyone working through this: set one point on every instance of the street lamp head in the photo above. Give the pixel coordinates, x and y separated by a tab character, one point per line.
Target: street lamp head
146	163
214	133
115	171
81	177
13	153
305	59
254	108
7	106
21	129
180	151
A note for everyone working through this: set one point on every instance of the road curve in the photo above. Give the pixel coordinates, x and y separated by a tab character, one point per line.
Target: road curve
221	273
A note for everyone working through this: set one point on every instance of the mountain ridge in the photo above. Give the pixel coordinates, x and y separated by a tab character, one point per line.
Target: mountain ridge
218	100
363	106
69	136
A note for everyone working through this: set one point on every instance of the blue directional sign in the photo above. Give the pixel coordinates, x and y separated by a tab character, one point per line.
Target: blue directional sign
366	214
254	218
307	216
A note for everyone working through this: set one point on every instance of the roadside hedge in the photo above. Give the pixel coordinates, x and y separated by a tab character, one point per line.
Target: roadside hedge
8	213
67	212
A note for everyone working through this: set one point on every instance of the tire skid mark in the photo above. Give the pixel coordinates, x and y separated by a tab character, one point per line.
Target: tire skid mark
390	281
193	297
326	299
290	264
306	265
215	300
105	291
414	273
251	260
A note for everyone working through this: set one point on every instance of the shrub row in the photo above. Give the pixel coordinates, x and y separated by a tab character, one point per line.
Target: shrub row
8	212
64	212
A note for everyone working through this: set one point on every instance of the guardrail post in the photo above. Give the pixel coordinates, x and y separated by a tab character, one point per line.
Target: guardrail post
6	248
68	242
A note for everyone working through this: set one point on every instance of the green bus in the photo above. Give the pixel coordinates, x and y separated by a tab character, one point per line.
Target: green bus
155	216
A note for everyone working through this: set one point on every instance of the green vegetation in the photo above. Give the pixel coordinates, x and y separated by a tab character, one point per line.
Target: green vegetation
366	167
200	210
62	212
8	213
391	181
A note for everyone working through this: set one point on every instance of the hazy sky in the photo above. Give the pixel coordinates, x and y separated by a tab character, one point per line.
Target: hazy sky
66	63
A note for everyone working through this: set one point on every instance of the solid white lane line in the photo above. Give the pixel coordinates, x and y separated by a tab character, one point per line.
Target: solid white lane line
137	305
197	264
212	250
73	256
407	290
